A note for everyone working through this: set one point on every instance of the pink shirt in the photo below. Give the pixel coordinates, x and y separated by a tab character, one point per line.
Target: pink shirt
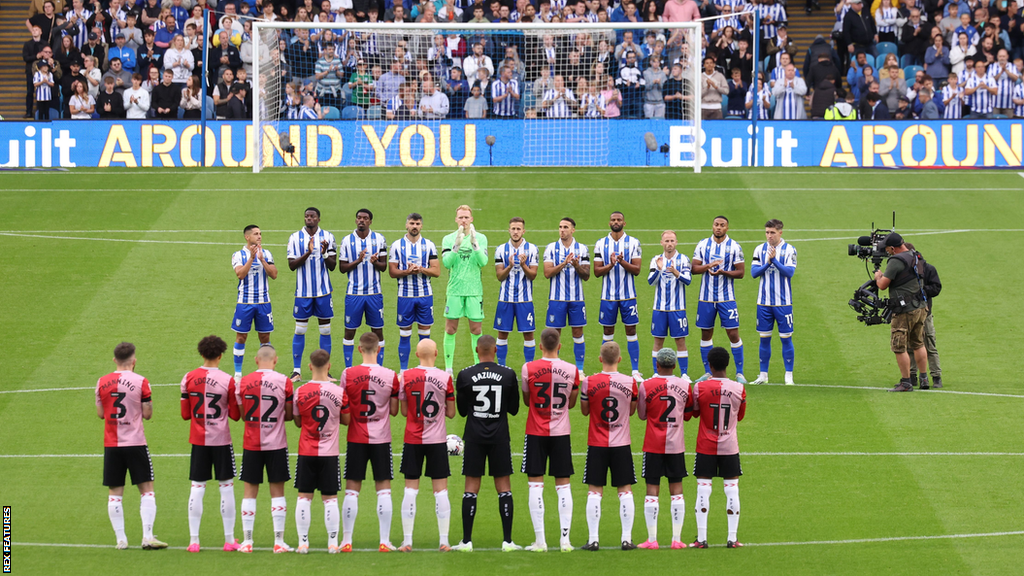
611	109
320	406
609	395
719	404
665	402
687	11
121	395
427	390
548	384
208	399
262	396
370	389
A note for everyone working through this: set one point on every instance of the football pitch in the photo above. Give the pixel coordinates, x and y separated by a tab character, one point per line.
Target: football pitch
839	476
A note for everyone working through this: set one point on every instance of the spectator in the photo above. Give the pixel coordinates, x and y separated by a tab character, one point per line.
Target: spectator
677	89
627	46
66	53
236	109
192	99
31	52
475	107
885	21
43	83
654	80
121	78
981	90
864	82
950	23
93	76
915	37
823	68
136	99
559	101
329	75
167	33
1006	77
961	52
222	92
134	37
1018	101
387	86
478	60
505	95
81	104
789	94
46	21
903	110
39	6
824	96
591	105
953	98
855	74
876	109
919	83
780	70
129	57
859	29
179	61
936	58
818	46
612	98
782	45
361	84
150	14
310	109
764	100
484	82
457	89
166	97
302	57
149	54
631	86
737	96
403	106
714	88
843	109
891	87
109	103
434	103
67	85
925	107
987	49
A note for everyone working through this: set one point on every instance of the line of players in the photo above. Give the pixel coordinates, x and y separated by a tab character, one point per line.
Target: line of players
368	395
413	260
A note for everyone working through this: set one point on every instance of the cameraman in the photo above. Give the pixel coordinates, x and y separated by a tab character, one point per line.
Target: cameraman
909	308
932	287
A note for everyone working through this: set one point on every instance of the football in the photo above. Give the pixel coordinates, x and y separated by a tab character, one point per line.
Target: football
455	445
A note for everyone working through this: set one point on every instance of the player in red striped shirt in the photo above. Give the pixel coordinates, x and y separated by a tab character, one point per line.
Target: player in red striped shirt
321	407
427	397
609	398
208	400
666	401
720	404
123	401
265	397
373	395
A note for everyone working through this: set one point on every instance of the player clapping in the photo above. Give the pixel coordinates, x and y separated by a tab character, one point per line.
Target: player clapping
670	275
773	265
253	264
463	253
567	265
515	263
617	260
719	259
363	255
312	254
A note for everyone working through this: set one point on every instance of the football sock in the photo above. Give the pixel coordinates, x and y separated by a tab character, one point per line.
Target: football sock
502	351
701	509
348	347
380	354
593	515
705	347
278	513
443	509
195	510
468	515
651	514
302	520
116	513
579	349
449	350
408	514
349	511
331	520
765	353
404	347
732	506
529	348
633	347
325	337
227	509
627	509
147	509
384	509
607	338
678	511
564	493
537	509
737	355
787	353
506	509
683	359
473	338
248	518
298	345
423	334
239	357
654	360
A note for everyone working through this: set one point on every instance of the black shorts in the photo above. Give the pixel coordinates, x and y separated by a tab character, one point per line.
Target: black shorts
657	466
275	461
436	456
497	456
551	452
131	459
377	455
601	459
711	466
220	458
313	473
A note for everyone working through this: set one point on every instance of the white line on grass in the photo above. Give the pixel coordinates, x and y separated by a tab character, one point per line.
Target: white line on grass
512	188
383	230
582	454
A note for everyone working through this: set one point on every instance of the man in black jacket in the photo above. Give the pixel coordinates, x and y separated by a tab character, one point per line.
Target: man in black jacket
236	103
225	56
166	98
916	36
65	86
859	32
302	55
30	52
932	287
821	69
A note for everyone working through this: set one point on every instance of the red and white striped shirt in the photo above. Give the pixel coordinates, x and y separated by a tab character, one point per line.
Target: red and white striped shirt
370	388
264	396
320	406
548	382
427	390
720	404
609	395
665	402
121	395
208	400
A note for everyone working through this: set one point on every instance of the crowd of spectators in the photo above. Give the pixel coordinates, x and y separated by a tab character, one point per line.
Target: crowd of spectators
892	60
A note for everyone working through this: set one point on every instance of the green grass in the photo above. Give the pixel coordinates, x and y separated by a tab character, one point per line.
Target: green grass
161	278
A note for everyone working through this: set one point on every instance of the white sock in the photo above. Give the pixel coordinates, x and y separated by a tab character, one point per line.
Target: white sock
701	509
564	494
408	514
248	518
678	515
227	509
116	513
537	510
349	511
302	520
384	509
147	509
627	508
443	509
593	515
332	518
732	506
195	510
279	514
651	514
763	376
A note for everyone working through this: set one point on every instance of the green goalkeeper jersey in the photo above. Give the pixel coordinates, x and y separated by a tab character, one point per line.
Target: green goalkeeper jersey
464	264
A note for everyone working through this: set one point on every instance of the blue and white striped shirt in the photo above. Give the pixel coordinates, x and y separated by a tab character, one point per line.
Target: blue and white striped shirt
516	287
364	279
43	92
560	107
120	15
507	107
954	109
567	285
774	287
791	104
887	14
404	253
312	279
254	288
777	12
1018	93
981	101
1005	97
82	37
718	288
763	112
617	284
669	289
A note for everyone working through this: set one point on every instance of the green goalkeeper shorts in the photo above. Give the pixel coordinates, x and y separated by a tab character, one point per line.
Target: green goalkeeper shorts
471	307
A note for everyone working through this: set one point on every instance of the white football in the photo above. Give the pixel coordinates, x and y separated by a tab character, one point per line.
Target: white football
455	445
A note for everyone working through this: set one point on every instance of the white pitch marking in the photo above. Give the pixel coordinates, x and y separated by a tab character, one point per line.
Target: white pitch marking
513	188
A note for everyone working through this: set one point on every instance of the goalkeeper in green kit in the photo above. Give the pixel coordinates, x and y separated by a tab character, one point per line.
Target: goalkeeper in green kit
463	253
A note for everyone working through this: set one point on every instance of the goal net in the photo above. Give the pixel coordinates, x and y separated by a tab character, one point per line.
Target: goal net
357	94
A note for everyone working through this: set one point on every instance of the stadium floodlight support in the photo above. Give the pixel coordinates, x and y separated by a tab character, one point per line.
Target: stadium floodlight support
693	32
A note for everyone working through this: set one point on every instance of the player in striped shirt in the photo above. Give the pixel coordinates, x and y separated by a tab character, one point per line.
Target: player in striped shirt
427	397
123	401
665	402
413	261
463	253
253	264
567	265
719	260
670	275
265	398
505	94
720	404
363	255
609	398
373	390
208	399
617	259
320	408
773	265
515	263
313	254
